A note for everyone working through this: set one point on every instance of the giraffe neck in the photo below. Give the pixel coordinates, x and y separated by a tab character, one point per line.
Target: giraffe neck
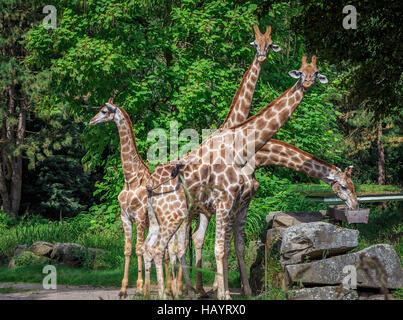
240	107
262	126
282	154
134	168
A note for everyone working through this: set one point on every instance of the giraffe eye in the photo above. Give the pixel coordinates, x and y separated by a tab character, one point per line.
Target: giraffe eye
103	111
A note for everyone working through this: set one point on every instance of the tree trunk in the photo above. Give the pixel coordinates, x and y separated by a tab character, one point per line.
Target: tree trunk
11	162
381	157
381	163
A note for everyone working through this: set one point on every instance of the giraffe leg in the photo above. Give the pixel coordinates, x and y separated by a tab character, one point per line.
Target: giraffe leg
239	243
139	273
182	243
163	235
171	284
140	228
127	225
179	281
155	247
198	240
158	259
221	221
149	246
147	269
148	257
227	250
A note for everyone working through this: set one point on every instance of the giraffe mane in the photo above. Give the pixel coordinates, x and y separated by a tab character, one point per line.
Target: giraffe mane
306	154
126	116
238	92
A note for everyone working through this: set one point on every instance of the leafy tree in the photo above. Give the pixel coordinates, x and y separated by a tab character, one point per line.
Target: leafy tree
167	61
16	97
57	185
370	52
370	59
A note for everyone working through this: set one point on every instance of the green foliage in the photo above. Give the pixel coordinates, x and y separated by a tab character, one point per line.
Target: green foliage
6	221
60	189
383	227
368	51
28	258
28	229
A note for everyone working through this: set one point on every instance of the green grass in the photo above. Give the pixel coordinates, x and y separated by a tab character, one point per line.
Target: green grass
383	227
101	278
6	290
65	275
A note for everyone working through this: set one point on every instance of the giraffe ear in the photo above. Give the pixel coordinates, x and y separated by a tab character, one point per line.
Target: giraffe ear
322	78
275	47
296	74
110	107
349	171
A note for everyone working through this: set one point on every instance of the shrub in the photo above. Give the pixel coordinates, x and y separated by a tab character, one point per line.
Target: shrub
28	258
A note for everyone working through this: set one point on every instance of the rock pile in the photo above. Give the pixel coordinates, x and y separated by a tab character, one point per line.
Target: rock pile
69	254
314	254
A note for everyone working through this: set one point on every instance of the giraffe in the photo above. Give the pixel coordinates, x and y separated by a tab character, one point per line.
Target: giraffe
219	163
239	109
238	112
133	197
278	153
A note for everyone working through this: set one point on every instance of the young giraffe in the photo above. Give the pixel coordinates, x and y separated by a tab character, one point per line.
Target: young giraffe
277	153
219	163
133	197
239	111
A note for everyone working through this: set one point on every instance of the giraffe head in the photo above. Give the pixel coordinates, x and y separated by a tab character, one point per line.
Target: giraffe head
107	113
307	74
343	186
263	43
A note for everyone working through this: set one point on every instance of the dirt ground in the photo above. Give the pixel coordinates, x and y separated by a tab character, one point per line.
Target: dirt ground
27	291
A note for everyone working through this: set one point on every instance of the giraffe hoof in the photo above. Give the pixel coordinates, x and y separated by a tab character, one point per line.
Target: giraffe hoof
122	294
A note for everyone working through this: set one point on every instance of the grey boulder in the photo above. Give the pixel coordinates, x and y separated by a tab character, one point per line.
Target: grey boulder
381	259
323	293
282	219
41	248
315	239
